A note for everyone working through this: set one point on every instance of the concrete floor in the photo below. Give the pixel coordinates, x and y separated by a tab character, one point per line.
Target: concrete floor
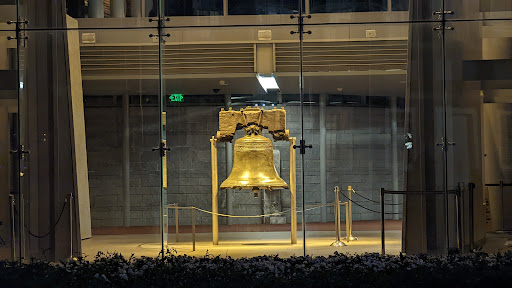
241	244
497	242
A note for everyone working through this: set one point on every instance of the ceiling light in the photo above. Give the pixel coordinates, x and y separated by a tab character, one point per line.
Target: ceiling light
267	82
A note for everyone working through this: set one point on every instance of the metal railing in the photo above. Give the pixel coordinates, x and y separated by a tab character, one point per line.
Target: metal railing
501	185
459	198
337	217
176	222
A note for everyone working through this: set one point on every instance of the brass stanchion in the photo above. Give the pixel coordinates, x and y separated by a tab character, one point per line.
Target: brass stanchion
215	191
337	218
176	223
349	236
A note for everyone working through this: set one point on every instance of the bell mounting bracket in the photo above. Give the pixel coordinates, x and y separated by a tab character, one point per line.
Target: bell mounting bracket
162	149
302	146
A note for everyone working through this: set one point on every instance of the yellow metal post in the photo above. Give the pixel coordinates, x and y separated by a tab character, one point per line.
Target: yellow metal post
293	191
215	192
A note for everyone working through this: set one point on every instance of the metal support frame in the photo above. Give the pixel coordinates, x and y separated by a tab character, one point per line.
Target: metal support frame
215	191
176	222
455	192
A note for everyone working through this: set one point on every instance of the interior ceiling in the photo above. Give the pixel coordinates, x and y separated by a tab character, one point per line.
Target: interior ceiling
392	84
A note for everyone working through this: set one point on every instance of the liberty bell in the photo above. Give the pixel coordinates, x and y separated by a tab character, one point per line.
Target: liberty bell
253	166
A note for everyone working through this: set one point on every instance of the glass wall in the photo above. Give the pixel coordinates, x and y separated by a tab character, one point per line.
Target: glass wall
155	116
9	162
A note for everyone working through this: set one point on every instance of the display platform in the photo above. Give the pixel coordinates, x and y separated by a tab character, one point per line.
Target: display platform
246	244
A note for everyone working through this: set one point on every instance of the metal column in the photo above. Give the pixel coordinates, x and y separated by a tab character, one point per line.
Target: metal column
394	151
215	192
323	158
126	161
229	166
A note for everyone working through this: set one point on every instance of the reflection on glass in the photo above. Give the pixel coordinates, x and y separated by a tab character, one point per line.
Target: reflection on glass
262	7
193	7
400	5
337	6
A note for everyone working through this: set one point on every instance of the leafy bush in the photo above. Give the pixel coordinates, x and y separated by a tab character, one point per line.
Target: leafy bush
338	270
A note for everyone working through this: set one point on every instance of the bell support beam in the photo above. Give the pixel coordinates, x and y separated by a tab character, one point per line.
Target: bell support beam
293	191
215	193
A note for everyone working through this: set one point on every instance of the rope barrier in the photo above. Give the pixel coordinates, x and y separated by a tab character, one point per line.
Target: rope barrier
242	216
258	216
298	211
377	202
51	229
371	210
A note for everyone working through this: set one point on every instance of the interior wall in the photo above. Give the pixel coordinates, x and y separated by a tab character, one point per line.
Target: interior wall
358	152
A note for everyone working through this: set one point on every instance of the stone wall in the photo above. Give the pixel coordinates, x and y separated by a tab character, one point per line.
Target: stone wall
359	153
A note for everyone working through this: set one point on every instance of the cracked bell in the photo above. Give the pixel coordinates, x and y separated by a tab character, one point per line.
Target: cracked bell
253	166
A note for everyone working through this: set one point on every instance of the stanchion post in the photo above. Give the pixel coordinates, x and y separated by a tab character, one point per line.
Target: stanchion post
462	231
215	192
176	223
12	202
337	218
471	215
502	207
338	214
71	225
293	191
193	229
460	213
350	237
347	221
382	227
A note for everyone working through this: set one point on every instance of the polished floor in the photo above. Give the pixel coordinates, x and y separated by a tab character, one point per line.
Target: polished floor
243	244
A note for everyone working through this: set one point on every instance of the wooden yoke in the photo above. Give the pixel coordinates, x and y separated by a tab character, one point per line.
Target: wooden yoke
274	120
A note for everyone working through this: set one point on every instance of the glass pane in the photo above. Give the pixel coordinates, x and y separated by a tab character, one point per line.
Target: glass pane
481	9
122	121
479	118
265	7
336	6
9	163
193	8
206	70
90	14
101	92
359	105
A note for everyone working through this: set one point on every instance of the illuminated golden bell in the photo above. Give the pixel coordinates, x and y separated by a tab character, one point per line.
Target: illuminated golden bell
253	166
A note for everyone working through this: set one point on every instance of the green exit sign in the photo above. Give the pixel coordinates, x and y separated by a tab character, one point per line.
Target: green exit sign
176	98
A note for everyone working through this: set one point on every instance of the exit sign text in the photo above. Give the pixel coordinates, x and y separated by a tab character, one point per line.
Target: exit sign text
176	98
